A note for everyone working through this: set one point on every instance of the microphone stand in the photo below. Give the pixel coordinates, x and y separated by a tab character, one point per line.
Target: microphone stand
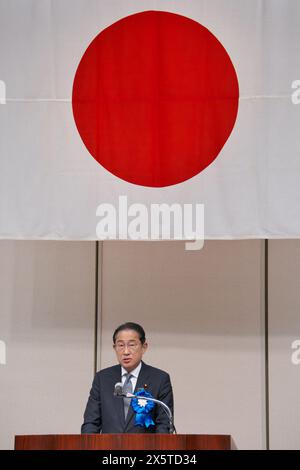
165	408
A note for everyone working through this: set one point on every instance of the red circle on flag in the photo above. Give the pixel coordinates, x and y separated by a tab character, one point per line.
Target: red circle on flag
155	98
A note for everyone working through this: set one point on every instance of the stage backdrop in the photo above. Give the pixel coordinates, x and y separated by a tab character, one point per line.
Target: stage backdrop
183	102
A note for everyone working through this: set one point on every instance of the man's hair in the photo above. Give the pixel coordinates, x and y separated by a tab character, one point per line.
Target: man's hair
131	326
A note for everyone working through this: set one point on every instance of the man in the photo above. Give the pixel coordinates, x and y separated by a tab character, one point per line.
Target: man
107	413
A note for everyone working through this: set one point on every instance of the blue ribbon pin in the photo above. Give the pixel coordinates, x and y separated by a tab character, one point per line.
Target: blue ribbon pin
143	409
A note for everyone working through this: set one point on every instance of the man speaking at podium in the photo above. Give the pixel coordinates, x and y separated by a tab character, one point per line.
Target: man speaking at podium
107	412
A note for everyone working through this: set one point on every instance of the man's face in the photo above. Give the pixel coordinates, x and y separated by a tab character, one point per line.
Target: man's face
129	349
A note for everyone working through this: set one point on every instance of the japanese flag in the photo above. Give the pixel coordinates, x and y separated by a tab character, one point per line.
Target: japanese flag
178	103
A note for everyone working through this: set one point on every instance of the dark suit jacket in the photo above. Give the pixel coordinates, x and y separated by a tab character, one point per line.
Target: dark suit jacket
105	412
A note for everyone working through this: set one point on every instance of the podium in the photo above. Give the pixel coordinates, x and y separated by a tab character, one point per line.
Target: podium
123	442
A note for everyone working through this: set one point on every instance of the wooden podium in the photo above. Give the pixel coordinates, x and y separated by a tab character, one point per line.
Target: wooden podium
123	442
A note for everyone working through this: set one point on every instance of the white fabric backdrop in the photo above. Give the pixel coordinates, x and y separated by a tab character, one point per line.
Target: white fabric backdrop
50	186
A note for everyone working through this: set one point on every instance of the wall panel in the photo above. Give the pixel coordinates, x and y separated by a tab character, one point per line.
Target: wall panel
202	313
284	329
46	323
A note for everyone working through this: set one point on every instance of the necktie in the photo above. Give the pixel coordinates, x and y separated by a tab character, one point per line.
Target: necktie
127	387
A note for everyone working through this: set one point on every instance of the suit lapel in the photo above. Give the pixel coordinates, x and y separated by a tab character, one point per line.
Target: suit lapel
143	379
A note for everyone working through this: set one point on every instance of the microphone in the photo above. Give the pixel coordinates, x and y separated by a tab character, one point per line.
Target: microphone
118	392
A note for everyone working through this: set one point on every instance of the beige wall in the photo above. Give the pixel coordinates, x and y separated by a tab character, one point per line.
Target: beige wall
203	315
46	322
284	329
201	311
